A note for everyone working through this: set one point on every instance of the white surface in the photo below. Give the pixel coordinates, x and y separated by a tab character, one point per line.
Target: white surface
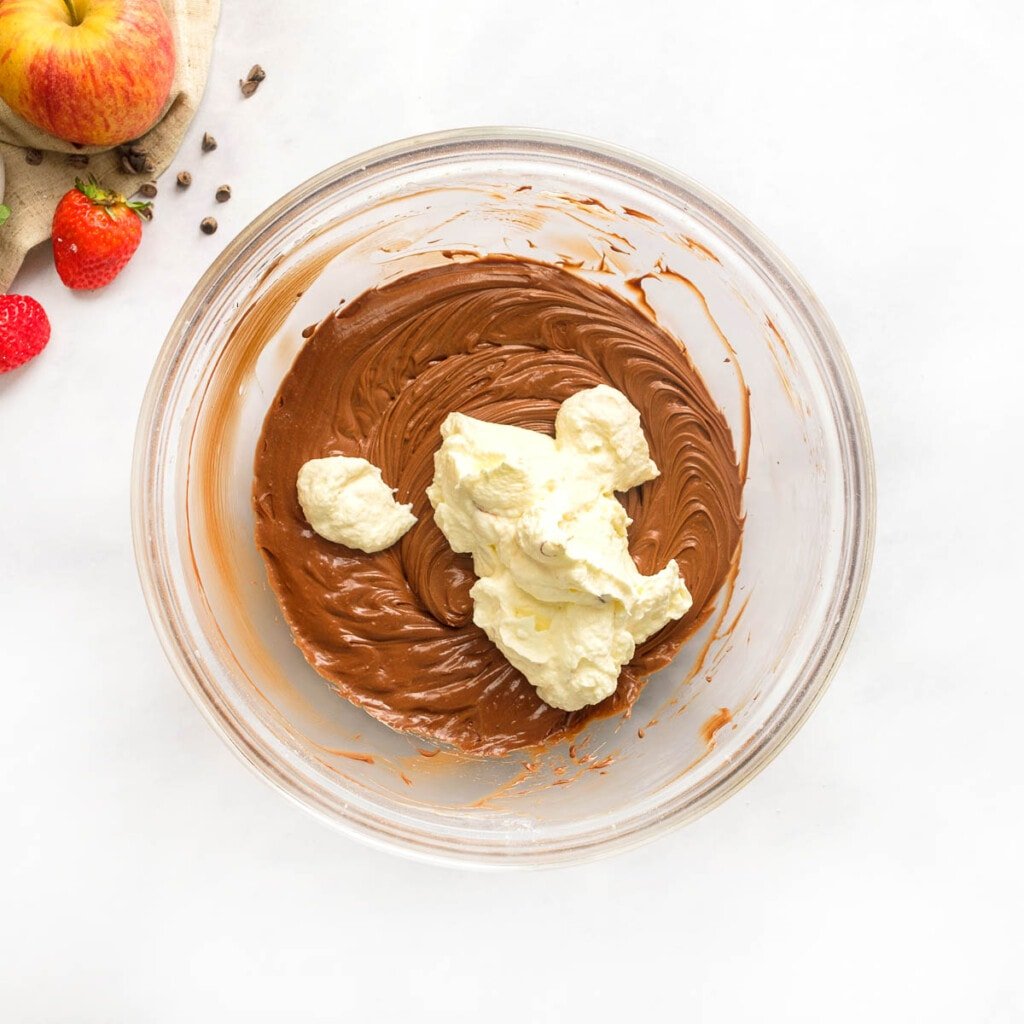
873	872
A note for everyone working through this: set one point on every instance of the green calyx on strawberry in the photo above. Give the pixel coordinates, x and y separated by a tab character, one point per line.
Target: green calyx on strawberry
95	233
109	201
5	212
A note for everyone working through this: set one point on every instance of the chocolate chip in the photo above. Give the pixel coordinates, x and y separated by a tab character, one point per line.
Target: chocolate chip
223	194
34	157
251	82
209	143
207	225
148	189
135	159
78	159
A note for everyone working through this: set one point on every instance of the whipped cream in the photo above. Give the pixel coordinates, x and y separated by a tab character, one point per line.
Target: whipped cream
346	501
558	592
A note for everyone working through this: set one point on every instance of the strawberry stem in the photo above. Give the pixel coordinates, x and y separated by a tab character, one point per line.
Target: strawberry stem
99	196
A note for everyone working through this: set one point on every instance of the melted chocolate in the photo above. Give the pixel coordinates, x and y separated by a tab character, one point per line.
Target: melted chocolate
503	341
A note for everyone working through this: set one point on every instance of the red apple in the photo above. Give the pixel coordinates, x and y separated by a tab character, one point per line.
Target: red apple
95	72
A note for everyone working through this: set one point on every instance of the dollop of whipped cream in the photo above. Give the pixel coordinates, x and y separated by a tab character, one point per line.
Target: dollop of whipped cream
346	501
558	592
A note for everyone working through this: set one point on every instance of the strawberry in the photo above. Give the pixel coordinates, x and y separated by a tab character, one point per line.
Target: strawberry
24	330
95	233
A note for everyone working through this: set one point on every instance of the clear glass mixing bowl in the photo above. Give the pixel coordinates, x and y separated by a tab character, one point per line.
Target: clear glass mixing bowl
737	691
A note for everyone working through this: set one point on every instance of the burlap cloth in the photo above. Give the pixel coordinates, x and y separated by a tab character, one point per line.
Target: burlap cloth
32	193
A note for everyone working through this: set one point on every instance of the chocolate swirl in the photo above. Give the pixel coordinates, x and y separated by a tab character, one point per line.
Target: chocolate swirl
503	341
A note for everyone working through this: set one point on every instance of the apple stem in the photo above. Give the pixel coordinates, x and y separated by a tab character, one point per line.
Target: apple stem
70	5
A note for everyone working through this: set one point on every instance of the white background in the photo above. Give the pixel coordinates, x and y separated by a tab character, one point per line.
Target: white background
873	872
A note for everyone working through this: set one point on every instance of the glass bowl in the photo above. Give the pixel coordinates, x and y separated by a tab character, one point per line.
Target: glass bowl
738	690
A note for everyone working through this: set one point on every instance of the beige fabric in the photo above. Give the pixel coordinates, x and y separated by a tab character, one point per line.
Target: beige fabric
32	193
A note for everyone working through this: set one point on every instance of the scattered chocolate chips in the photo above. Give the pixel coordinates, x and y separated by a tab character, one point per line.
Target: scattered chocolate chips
135	159
148	189
34	157
251	82
209	143
223	194
208	225
78	159
184	179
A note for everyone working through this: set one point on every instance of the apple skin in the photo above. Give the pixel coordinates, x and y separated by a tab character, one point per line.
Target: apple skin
91	72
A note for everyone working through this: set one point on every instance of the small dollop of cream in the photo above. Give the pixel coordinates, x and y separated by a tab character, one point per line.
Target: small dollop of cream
558	592
346	501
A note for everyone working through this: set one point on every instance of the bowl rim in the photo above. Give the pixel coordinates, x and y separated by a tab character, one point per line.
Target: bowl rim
813	676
